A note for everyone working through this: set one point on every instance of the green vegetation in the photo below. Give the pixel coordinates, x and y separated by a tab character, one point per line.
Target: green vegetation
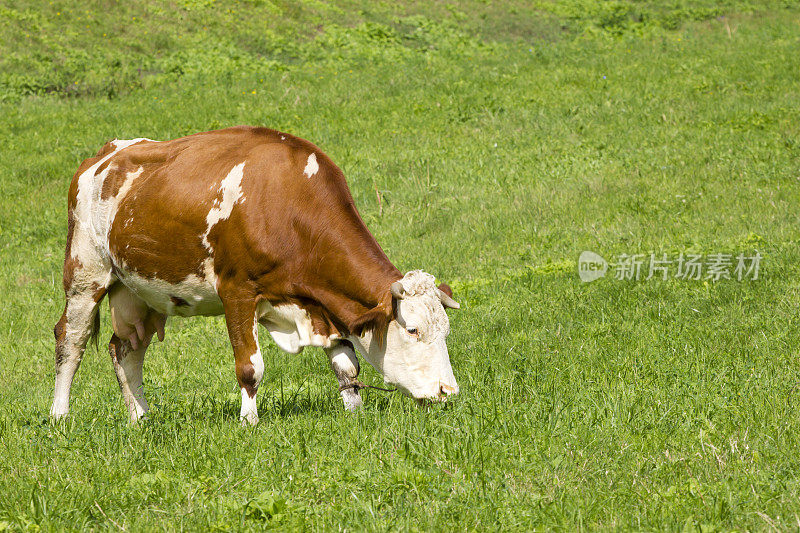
486	143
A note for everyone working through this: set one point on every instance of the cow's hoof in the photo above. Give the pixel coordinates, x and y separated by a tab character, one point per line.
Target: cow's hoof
249	420
352	401
136	420
55	418
57	414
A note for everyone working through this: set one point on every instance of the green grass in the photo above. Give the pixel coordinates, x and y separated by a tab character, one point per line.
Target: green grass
502	141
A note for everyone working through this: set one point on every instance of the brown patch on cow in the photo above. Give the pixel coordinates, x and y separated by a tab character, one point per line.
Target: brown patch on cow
117	349
60	333
60	329
70	264
240	311
124	164
98	292
229	273
113	182
104	165
158	233
105	150
246	376
321	321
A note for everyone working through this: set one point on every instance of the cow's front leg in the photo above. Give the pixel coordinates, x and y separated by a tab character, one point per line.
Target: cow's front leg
242	322
345	365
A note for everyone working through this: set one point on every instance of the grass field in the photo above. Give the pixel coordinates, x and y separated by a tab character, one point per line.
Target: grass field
502	140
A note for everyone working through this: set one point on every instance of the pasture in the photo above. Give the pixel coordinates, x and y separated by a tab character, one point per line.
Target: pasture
489	144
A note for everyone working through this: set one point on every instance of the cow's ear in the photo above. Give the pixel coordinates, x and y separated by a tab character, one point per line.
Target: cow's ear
371	320
446	296
445	288
376	320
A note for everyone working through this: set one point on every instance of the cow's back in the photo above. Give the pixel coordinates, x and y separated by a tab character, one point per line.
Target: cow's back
160	212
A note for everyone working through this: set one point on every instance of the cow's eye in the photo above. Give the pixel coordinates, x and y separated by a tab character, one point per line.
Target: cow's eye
413	332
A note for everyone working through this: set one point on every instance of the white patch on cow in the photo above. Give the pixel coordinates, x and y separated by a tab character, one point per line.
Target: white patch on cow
231	189
256	359
283	137
124	143
91	213
342	362
113	206
199	294
290	327
249	411
345	365
258	365
209	275
312	166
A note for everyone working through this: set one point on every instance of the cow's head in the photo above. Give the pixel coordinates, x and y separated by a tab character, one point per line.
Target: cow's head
412	353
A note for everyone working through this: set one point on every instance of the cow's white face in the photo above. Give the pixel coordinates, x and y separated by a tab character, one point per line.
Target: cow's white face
414	355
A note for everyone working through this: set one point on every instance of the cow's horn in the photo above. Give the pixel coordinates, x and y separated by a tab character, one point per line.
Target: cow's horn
398	291
447	301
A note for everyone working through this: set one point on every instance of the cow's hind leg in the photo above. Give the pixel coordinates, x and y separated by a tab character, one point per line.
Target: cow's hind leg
77	324
128	363
345	365
134	325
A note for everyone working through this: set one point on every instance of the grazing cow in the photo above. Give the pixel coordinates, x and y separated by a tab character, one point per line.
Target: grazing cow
258	225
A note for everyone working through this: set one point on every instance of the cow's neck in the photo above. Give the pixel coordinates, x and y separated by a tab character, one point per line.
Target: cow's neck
351	274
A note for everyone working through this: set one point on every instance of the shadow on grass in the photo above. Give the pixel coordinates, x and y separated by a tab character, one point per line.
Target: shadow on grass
279	404
168	411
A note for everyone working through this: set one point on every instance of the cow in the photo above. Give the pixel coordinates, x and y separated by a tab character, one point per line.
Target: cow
255	224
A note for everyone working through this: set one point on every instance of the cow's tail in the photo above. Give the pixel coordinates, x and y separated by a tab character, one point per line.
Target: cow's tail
94	335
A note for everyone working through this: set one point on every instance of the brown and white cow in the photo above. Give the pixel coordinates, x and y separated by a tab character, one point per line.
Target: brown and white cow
258	225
